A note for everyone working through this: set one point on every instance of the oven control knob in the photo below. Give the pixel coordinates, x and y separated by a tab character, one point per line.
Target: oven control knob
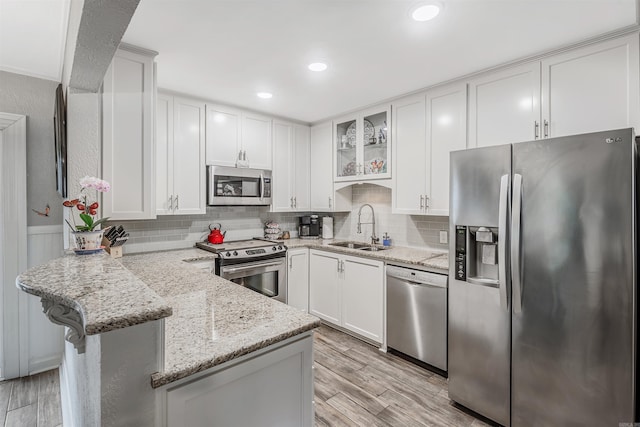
228	254
273	248
235	253
280	247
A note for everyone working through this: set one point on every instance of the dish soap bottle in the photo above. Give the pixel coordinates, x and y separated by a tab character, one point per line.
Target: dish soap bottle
386	240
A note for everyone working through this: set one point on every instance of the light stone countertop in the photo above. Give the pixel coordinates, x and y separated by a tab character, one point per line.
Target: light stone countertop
208	320
437	261
213	320
101	289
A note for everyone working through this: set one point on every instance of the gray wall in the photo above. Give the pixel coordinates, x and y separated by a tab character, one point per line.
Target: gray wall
35	98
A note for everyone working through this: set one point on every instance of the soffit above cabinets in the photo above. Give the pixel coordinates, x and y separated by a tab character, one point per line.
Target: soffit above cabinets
33	35
227	50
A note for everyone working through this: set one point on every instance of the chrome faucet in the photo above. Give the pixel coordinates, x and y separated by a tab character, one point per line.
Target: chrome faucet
374	239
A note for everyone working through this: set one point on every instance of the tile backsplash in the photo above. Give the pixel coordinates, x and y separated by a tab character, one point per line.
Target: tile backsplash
240	222
405	230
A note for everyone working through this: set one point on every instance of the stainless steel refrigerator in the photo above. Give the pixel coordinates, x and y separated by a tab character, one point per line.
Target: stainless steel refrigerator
542	281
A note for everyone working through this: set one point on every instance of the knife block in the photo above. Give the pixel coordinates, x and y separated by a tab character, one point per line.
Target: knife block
115	252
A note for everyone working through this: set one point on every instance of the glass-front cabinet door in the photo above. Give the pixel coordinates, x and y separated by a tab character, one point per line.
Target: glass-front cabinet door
375	145
362	146
346	152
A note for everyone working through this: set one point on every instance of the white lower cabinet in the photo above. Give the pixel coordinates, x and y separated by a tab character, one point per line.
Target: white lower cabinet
348	292
298	278
274	388
324	285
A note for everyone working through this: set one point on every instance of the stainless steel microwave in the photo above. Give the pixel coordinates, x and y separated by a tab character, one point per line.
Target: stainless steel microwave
227	186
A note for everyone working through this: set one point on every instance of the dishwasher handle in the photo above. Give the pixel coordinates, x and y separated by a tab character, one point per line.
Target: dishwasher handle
417	277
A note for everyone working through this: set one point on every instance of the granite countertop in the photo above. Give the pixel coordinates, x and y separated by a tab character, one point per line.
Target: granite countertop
213	320
105	294
430	259
208	320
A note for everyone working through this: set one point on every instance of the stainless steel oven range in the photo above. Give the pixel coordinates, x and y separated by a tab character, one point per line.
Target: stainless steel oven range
259	265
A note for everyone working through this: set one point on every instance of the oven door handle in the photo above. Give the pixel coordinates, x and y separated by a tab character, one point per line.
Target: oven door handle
250	267
261	186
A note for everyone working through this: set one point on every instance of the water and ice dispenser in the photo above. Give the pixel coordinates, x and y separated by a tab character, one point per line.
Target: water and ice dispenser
477	254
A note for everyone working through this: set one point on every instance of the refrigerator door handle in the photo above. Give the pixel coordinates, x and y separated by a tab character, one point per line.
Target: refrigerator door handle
502	242
516	234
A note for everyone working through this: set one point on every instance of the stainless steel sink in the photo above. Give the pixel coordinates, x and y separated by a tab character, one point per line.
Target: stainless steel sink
359	246
350	245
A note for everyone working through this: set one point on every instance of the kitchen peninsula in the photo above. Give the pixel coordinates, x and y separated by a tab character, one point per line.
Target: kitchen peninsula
152	340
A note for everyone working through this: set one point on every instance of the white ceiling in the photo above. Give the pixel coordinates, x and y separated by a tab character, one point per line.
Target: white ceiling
32	37
227	50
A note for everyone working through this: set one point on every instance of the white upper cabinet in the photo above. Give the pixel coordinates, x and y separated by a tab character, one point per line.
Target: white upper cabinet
588	89
446	132
223	135
189	175
234	134
256	140
362	145
426	128
128	158
409	154
164	160
323	198
282	168
290	167
504	106
301	161
592	89
321	167
180	162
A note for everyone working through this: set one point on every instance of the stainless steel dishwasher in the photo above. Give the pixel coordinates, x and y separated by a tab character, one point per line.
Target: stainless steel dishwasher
417	314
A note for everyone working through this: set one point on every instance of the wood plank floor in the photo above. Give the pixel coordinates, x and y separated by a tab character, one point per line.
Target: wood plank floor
358	385
31	401
355	385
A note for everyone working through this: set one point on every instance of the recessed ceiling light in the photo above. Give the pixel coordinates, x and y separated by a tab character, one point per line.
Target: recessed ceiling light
264	95
318	66
425	12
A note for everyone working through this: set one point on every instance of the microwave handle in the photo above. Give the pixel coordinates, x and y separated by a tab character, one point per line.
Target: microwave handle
261	186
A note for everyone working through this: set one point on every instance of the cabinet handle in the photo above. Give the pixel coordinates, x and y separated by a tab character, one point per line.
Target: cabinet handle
291	203
546	128
426	202
536	129
171	202
177	205
338	266
329	202
342	269
421	202
291	263
295	202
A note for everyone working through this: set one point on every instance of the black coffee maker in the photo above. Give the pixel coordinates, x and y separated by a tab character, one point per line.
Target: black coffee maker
309	227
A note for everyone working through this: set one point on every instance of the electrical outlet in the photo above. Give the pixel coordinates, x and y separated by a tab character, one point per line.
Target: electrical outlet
444	238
